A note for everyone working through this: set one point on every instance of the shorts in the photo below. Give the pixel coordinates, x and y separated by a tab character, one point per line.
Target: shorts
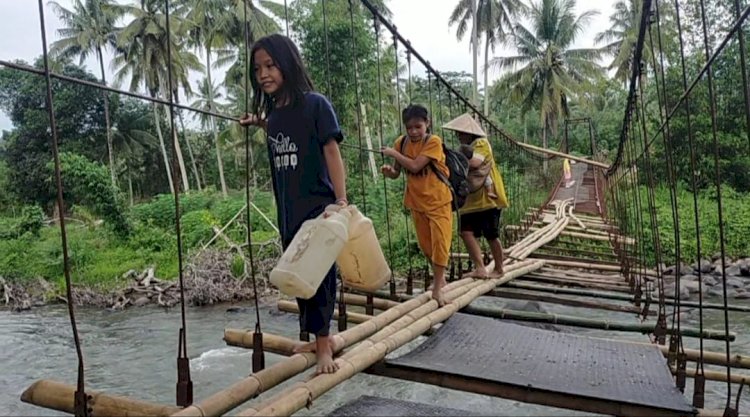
434	232
485	223
316	313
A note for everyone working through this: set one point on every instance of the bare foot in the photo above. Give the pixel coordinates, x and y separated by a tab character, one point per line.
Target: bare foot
324	353
305	348
437	295
492	195
496	273
477	273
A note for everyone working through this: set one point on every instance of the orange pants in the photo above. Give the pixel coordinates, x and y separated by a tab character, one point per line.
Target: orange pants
434	233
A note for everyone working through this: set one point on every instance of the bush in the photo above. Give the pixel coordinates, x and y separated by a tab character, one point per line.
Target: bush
197	227
30	221
88	183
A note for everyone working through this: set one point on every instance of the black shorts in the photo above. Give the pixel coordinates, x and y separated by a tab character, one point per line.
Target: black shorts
482	223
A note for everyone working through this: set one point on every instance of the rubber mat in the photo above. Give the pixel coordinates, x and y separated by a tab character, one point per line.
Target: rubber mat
376	406
493	351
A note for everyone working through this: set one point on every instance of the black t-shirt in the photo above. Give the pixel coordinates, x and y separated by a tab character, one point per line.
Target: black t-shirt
302	185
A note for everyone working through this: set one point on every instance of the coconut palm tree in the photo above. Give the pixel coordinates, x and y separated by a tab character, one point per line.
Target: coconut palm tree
89	29
206	96
210	27
142	56
621	38
496	20
547	72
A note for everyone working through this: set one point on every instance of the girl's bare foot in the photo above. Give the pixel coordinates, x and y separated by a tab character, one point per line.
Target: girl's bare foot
492	195
495	274
438	296
477	273
324	353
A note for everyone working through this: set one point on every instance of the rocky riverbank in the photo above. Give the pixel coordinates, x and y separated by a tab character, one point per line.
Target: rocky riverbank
711	273
208	280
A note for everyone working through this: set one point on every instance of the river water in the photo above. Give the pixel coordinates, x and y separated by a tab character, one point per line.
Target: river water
133	353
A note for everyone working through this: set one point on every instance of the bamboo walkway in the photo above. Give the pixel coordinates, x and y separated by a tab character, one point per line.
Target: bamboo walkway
536	269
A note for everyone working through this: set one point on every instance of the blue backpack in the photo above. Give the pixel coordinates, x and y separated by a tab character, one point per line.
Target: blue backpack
458	169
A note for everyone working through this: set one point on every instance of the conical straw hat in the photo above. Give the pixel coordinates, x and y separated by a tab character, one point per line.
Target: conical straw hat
466	124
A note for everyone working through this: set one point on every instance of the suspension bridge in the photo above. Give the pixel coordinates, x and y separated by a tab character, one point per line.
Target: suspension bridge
584	245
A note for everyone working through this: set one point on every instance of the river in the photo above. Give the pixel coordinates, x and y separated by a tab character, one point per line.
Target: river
133	353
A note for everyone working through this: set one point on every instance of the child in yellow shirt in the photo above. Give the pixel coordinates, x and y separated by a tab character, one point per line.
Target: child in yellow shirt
429	199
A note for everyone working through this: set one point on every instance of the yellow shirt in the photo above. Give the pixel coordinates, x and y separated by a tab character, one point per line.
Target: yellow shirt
424	190
479	200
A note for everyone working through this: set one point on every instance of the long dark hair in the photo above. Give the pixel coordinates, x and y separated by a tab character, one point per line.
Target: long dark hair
287	59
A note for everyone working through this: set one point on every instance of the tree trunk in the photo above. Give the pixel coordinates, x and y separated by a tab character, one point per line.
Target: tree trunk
475	49
110	146
157	122
486	77
368	141
210	97
180	160
176	97
190	151
130	188
544	145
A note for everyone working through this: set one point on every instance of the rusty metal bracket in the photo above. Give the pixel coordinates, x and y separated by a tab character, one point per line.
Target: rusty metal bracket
699	390
259	357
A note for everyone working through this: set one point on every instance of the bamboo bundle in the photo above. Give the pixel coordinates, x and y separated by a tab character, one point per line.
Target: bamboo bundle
247	388
590	236
375	348
58	396
580	223
543	240
538	238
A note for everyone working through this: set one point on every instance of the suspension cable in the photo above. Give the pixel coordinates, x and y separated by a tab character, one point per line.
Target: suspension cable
685	98
286	16
410	276
184	383
714	133
328	52
258	358
80	399
376	27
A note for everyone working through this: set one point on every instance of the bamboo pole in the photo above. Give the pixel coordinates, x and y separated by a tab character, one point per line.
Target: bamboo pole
506	314
279	345
247	388
616	296
576	283
590	236
374	349
361	300
715	376
59	396
583	265
516	295
352	317
563	155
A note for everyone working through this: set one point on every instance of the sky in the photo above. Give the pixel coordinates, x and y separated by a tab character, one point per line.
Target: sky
423	22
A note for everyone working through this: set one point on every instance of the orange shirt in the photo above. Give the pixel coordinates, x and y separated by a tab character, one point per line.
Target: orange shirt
424	190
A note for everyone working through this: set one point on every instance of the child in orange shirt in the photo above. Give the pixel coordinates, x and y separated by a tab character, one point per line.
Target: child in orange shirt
429	199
